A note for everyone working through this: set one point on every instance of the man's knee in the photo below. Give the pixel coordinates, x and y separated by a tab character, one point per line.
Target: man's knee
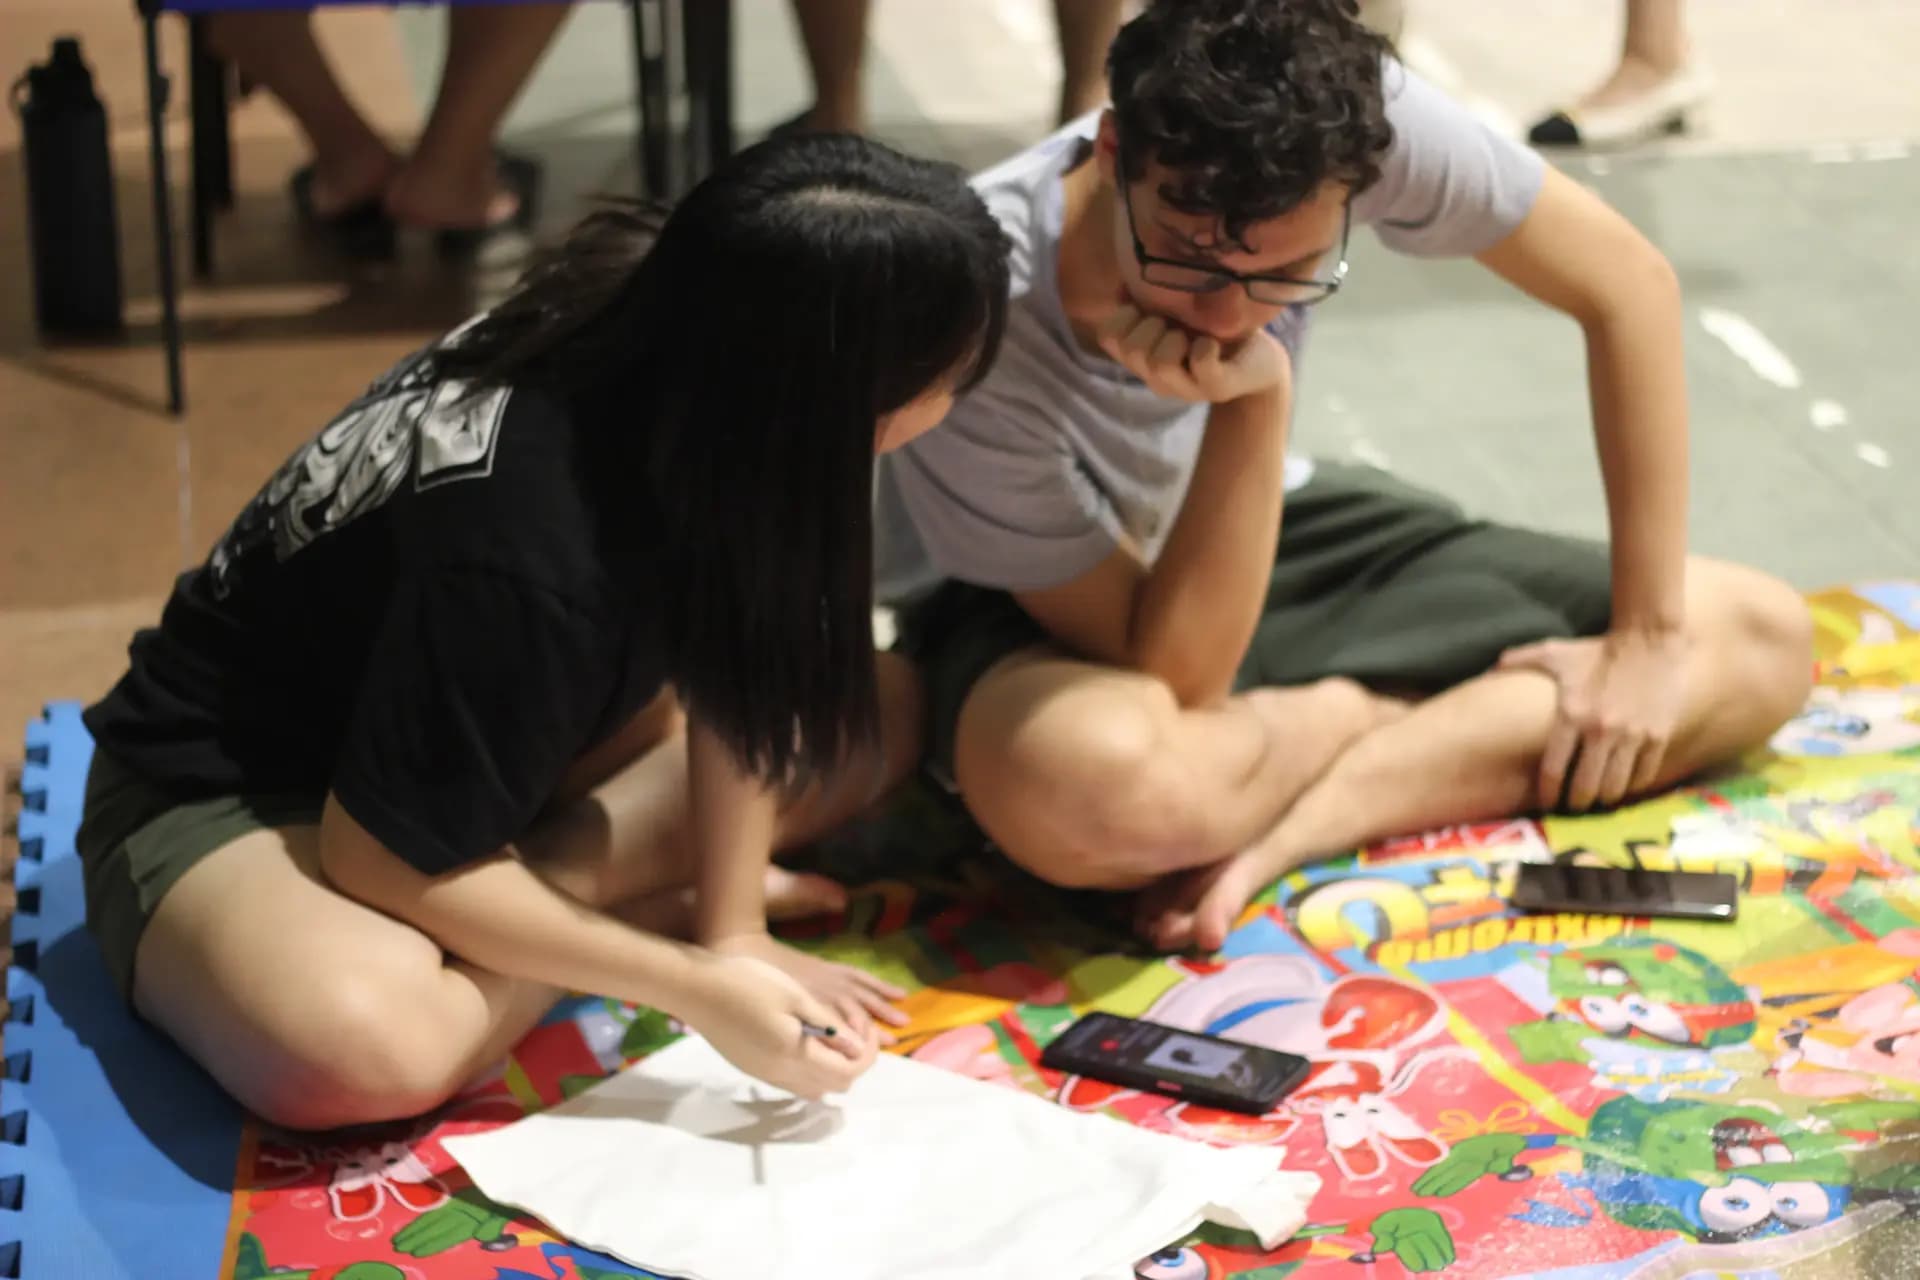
1778	619
1090	794
370	1058
1770	630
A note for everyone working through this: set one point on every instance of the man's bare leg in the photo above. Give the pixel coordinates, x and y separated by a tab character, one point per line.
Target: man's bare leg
1086	28
1093	777
1473	753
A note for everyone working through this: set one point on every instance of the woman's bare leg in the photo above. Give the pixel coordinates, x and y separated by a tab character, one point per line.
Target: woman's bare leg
316	1011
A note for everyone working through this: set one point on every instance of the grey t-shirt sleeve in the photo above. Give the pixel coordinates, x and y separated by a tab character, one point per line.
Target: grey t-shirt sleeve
1449	186
1000	501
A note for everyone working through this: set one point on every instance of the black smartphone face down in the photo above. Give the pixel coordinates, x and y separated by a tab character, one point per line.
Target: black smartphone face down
1625	891
1181	1064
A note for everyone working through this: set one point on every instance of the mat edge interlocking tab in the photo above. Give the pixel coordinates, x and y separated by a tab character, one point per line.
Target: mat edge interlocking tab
38	808
125	1149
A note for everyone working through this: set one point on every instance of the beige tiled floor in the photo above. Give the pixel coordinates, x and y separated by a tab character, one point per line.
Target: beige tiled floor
1788	73
103	498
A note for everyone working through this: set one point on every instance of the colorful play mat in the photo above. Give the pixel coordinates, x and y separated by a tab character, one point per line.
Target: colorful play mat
1492	1095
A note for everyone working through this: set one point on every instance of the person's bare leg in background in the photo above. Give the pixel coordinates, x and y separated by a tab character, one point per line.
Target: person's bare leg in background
834	35
276	50
1653	48
451	179
1086	28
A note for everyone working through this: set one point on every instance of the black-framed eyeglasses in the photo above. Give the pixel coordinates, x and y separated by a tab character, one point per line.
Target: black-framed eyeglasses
1271	290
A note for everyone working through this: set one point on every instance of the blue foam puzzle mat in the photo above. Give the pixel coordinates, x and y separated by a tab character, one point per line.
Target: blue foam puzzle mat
119	1152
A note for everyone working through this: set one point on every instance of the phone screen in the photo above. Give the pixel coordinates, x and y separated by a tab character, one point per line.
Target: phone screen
1627	891
1148	1055
1192	1058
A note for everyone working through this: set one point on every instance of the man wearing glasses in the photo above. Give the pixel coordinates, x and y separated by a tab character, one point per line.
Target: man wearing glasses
1127	684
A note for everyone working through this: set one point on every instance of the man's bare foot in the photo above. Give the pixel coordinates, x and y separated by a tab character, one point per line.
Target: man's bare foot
1199	907
797	895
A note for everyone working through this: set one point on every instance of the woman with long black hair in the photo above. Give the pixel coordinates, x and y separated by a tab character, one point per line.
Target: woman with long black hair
570	611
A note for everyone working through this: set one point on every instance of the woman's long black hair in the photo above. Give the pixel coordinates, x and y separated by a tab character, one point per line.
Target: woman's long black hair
732	359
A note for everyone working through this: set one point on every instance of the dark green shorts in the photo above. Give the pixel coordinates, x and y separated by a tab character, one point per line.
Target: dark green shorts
1374	580
137	839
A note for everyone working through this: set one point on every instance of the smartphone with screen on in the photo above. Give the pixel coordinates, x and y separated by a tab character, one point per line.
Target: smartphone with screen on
1625	891
1155	1058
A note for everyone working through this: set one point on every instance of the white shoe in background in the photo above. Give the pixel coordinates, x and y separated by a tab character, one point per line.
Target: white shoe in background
1663	109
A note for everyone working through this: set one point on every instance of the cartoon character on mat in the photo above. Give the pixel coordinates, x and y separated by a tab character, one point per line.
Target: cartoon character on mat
1873	1040
982	1024
365	1178
361	1182
397	1182
1638	990
1810	988
1362	1035
1712	1172
250	1263
1219	1253
1853	722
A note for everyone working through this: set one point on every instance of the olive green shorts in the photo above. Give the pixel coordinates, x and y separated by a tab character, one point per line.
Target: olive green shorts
137	839
1374	579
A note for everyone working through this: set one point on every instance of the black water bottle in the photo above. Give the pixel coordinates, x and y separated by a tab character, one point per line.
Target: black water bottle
75	237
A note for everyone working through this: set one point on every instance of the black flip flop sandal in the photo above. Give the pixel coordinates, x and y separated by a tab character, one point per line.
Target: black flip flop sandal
362	230
521	175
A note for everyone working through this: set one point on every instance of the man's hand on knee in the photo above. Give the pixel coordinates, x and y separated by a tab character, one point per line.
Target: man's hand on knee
1621	699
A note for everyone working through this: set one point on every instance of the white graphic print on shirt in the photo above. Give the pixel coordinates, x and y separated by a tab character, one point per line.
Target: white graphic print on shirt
405	423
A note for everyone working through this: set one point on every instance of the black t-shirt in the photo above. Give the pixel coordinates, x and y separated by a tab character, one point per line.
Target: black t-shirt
421	612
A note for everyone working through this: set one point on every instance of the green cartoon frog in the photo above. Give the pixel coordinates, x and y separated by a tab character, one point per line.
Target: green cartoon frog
1639	990
1714	1172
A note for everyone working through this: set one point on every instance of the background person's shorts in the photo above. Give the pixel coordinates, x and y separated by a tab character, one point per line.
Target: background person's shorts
1374	579
137	839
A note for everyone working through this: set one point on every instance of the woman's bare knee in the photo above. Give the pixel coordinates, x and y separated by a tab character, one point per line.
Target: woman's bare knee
372	1054
311	1009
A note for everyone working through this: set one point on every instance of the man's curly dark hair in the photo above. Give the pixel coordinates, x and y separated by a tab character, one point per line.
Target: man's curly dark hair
1252	103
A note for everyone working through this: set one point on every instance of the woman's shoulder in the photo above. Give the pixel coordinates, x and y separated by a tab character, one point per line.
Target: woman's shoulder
501	484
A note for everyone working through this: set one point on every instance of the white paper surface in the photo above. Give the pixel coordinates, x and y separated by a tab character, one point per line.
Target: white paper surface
686	1166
